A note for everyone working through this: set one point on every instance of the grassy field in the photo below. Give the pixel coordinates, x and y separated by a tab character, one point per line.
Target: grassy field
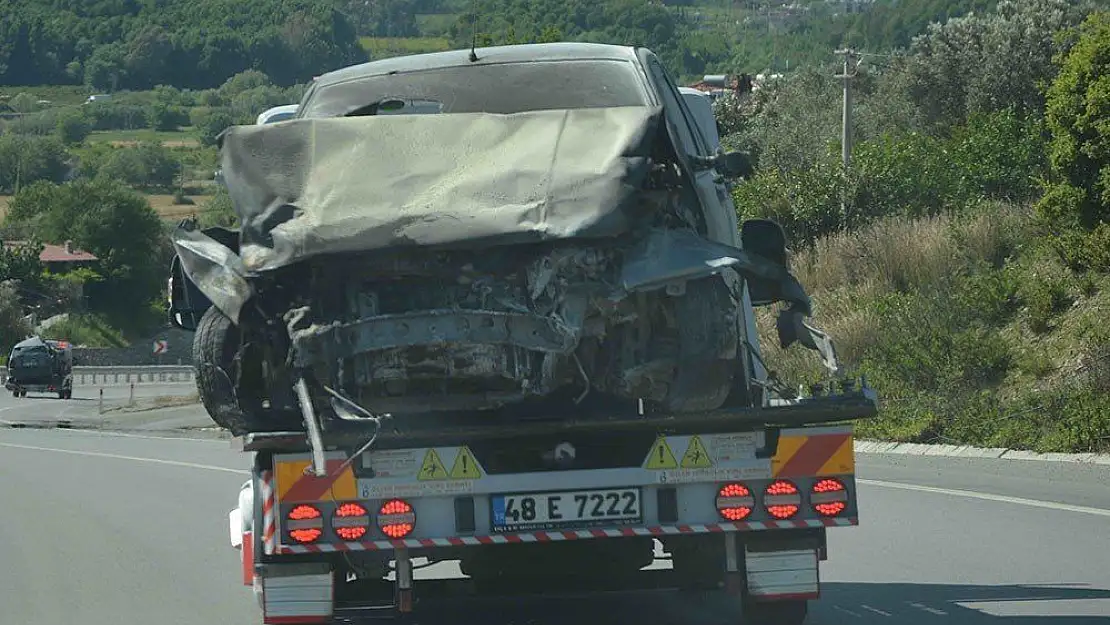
167	209
173	139
56	95
433	24
162	204
385	47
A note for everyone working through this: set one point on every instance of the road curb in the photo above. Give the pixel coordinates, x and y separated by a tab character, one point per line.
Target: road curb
967	451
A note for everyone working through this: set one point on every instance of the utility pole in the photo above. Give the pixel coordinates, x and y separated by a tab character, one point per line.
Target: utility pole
851	62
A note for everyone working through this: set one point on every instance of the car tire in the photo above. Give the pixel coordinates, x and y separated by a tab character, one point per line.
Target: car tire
215	345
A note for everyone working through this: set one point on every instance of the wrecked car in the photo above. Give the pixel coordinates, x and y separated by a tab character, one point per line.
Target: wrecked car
481	231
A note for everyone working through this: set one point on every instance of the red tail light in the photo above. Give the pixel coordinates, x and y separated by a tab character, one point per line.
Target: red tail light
305	524
350	521
396	518
781	499
735	502
829	497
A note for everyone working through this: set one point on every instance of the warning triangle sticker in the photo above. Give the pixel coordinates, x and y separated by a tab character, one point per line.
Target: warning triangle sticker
432	467
465	467
661	456
696	457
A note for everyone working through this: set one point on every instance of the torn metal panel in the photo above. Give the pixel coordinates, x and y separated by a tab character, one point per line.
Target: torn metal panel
217	271
666	257
324	186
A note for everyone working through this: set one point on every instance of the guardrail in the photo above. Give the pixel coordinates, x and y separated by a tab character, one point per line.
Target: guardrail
111	376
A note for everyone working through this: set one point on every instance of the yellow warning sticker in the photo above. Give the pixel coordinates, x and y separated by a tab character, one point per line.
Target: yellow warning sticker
696	457
661	456
432	468
465	467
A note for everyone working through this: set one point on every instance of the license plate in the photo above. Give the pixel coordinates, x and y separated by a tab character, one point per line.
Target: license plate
542	511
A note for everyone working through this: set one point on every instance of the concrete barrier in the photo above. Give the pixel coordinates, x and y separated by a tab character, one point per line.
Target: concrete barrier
123	376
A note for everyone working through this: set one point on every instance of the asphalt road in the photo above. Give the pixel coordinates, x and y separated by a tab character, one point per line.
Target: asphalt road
108	529
84	407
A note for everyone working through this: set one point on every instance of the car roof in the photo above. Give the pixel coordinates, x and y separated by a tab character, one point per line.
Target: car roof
27	343
494	54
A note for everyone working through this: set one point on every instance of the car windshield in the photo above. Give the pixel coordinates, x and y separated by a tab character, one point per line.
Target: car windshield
502	88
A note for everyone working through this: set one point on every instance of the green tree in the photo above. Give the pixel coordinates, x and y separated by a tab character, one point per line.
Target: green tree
987	62
218	211
26	159
146	166
210	123
114	223
1077	110
72	128
13	327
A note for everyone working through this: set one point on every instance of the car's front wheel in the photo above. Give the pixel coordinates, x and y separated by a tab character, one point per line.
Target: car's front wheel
215	347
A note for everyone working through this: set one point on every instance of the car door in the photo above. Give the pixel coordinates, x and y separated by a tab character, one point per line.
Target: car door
720	213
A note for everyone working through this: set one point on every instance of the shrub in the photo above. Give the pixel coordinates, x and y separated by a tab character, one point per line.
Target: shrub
72	128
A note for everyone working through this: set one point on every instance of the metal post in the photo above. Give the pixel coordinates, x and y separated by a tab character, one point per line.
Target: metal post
100	407
404	580
315	440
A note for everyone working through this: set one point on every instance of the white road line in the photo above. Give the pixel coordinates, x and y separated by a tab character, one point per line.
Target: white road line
1033	503
875	610
74	452
847	611
114	434
926	608
103	433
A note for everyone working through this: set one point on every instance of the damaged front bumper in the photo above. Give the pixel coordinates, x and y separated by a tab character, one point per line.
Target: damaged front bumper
433	328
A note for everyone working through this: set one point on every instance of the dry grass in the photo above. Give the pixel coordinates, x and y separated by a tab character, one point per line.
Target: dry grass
844	273
166	208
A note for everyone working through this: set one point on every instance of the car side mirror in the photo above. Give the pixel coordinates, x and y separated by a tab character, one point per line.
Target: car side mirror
734	165
767	239
726	164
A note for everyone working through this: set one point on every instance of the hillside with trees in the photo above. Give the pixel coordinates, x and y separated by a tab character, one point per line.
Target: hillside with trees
127	44
961	260
109	45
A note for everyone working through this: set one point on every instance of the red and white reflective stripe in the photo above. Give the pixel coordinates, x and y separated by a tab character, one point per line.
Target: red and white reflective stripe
268	512
553	536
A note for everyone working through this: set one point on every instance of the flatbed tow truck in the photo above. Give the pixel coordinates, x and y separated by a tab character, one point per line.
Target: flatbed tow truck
742	508
333	516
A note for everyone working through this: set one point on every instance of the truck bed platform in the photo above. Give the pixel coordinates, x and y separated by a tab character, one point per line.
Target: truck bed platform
821	410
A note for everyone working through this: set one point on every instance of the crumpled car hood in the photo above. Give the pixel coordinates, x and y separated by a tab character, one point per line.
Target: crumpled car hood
307	187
